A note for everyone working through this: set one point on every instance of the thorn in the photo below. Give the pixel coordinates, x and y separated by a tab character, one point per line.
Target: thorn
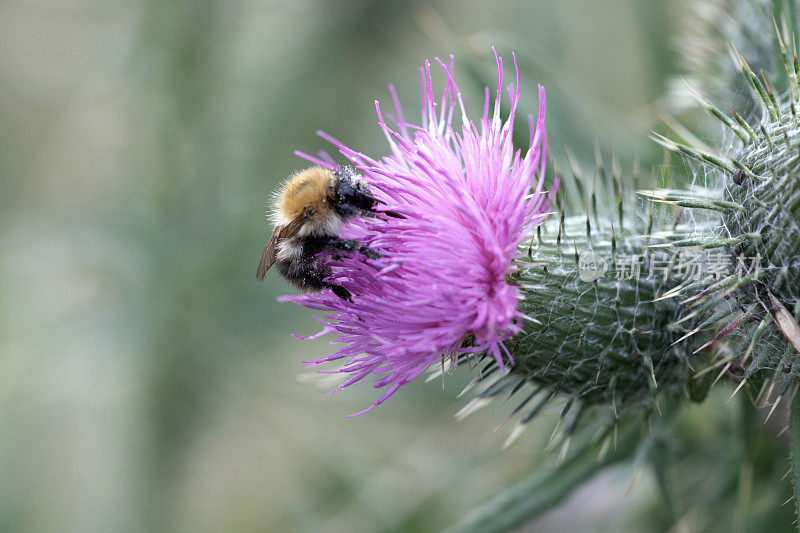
737	389
768	391
738	130
472	406
553	434
712	367
514	435
564	449
675	291
684	319
770	92
691	152
743	123
765	134
634	480
774	405
689	335
468	386
724	331
604	449
684	132
501	424
755	338
757	85
725	369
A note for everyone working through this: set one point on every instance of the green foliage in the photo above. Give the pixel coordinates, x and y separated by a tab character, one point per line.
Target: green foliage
545	488
756	174
630	343
614	337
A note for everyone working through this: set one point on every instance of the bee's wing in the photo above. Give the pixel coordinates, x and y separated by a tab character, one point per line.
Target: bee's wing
271	250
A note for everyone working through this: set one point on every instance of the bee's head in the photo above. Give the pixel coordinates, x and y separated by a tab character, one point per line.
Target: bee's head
351	195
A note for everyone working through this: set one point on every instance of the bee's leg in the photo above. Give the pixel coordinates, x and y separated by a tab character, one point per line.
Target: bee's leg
340	291
352	245
377	214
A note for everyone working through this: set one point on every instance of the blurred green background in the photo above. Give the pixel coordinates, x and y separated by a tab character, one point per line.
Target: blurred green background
147	381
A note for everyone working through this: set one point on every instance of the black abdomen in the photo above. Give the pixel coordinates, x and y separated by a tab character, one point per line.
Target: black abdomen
307	271
305	275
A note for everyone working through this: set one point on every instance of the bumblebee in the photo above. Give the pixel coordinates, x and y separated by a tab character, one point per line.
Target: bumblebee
310	212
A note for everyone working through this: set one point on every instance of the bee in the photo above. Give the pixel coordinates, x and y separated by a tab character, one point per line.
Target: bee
310	212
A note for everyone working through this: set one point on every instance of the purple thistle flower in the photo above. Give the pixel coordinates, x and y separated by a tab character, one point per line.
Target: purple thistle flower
469	200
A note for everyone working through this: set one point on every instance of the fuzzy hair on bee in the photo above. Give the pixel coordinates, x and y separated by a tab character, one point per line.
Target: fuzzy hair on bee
310	211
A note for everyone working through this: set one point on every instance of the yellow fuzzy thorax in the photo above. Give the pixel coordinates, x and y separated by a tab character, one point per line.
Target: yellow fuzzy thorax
307	194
